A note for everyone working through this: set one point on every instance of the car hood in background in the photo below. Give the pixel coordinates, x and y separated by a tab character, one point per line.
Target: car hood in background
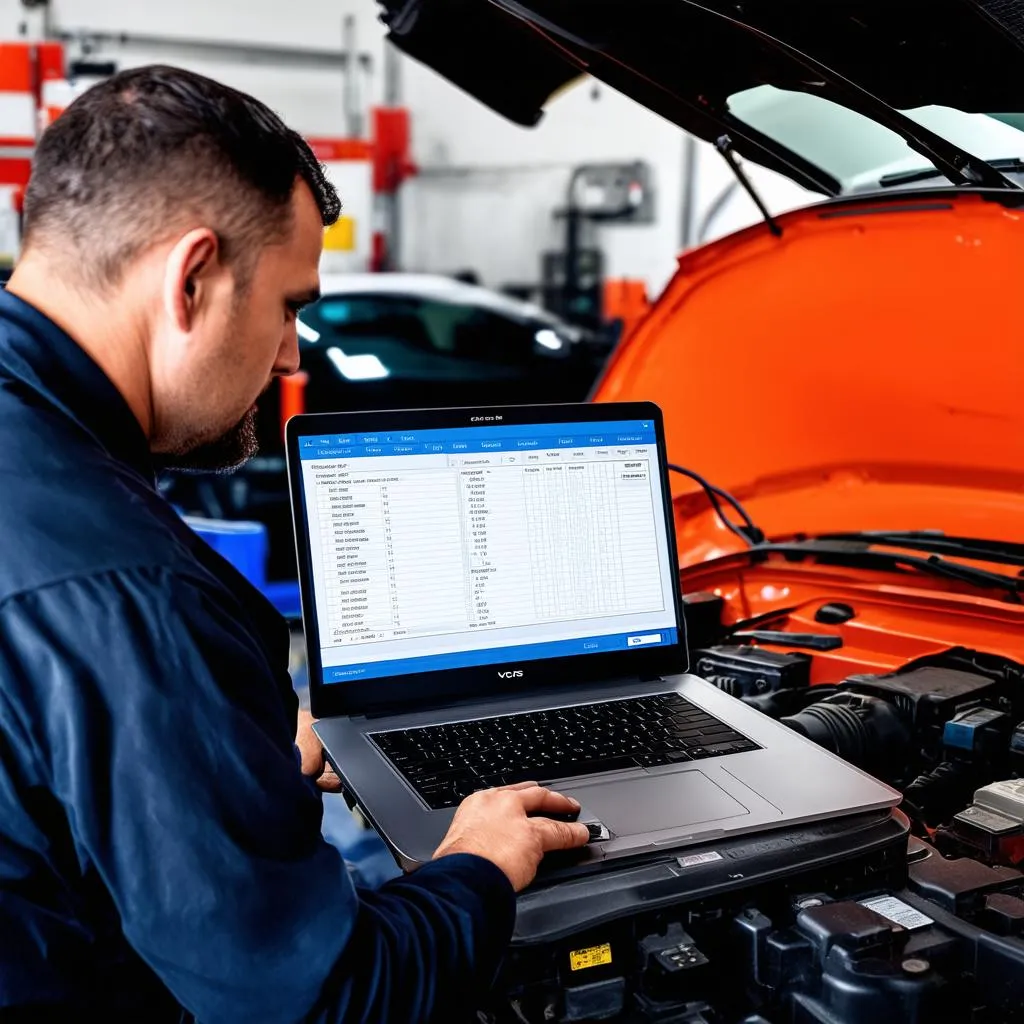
863	370
685	60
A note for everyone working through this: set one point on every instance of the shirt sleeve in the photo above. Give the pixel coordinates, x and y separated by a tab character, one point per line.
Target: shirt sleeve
163	732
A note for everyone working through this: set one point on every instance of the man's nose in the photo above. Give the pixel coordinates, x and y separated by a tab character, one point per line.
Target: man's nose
286	369
288	358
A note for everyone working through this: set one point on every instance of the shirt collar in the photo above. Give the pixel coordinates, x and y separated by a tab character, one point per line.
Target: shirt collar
47	360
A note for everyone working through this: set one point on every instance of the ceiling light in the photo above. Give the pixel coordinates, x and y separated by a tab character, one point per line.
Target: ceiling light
549	339
365	367
305	332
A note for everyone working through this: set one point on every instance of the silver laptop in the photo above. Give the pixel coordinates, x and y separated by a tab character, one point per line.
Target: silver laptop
491	596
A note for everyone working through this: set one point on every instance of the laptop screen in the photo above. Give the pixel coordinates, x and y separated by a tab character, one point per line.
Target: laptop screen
439	549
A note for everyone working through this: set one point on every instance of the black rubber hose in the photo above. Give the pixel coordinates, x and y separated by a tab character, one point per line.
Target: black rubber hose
836	727
866	731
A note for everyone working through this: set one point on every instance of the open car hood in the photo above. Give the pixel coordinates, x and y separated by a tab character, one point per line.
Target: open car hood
862	371
685	60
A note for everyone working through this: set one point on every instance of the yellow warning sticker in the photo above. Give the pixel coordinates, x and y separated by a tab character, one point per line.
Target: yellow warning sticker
595	956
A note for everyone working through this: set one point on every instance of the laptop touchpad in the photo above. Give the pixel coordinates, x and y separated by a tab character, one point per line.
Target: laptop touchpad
635	806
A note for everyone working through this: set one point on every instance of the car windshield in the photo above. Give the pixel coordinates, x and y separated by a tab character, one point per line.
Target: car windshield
858	151
373	337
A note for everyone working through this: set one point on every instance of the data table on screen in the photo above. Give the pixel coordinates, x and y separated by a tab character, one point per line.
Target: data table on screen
452	543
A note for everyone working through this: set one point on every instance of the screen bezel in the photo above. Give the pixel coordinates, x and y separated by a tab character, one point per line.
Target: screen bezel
406	692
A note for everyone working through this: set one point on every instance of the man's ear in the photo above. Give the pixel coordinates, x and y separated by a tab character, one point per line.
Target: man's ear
190	265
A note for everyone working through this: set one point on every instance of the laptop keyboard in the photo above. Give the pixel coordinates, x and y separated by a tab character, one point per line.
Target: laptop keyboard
445	763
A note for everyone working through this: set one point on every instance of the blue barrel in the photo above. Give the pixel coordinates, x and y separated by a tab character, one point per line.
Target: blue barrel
246	546
243	544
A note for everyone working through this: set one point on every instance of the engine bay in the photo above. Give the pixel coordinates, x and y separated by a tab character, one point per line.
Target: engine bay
890	935
946	728
922	923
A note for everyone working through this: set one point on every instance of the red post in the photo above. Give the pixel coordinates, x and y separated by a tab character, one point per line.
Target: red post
293	396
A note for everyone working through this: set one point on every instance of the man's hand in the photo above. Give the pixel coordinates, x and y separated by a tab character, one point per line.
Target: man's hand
494	824
314	764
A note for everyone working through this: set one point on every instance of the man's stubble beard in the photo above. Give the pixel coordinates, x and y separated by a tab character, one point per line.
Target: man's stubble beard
223	455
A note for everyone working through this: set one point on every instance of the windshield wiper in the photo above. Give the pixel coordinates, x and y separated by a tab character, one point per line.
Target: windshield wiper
859	553
1002	551
1013	165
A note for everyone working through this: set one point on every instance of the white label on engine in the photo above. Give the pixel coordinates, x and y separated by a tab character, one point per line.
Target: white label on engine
698	858
897	911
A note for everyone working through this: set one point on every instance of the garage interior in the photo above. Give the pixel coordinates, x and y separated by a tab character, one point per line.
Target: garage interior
805	253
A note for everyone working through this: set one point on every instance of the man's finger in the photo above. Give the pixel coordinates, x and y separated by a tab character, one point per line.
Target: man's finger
541	799
561	835
310	749
329	782
519	786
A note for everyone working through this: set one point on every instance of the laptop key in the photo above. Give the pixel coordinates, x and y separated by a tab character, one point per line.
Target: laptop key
716	729
442	801
610	764
440	778
691	718
690	733
721	748
652	760
405	760
493	781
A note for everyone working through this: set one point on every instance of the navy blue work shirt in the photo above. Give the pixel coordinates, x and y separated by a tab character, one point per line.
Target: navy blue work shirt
160	850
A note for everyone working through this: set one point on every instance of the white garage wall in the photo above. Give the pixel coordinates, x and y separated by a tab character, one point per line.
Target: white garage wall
309	23
12	14
485	197
507	181
487	189
309	98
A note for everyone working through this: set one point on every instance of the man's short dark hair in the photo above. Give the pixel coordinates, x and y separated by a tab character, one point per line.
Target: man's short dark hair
139	154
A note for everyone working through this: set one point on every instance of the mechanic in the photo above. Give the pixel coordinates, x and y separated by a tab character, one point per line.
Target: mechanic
160	845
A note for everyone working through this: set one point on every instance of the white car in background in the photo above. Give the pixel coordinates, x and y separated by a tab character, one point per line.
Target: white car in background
414	328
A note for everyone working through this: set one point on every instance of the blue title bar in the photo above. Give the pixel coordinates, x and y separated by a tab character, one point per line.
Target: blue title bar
543	436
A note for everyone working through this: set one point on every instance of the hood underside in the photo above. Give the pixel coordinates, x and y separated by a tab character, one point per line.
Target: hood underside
860	372
684	60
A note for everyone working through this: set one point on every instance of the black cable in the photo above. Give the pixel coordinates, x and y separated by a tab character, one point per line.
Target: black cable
713	494
750	536
722	494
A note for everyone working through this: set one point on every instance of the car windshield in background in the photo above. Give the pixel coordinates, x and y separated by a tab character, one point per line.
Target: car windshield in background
376	337
859	152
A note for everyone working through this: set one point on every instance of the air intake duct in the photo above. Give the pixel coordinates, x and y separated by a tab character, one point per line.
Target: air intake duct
866	731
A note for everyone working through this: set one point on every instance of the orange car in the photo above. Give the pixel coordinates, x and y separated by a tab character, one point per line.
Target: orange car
843	385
